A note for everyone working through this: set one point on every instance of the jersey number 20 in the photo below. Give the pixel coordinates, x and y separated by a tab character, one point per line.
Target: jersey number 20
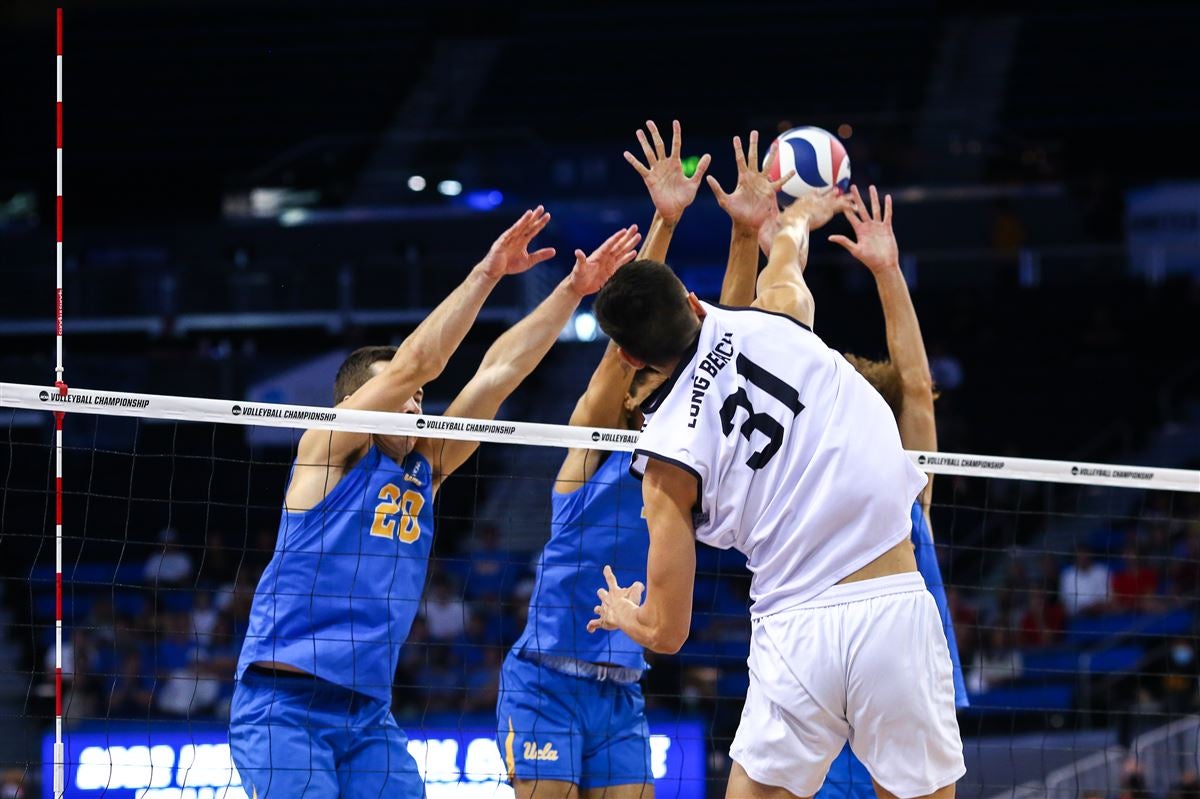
392	502
758	421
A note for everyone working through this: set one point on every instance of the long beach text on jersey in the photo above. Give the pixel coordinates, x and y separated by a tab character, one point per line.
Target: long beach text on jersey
797	459
711	364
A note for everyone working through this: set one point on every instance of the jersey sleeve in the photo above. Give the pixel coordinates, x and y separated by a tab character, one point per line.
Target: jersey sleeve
660	443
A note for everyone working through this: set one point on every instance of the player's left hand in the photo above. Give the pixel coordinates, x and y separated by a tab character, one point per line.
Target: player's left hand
754	201
616	603
593	271
509	254
876	242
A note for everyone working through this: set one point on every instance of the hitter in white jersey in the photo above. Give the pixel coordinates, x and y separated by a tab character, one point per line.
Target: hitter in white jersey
766	440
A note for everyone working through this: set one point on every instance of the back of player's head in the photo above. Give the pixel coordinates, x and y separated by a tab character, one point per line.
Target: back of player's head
645	309
356	369
884	377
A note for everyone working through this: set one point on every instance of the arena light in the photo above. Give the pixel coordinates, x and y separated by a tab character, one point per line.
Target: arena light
416	183
585	326
484	200
450	188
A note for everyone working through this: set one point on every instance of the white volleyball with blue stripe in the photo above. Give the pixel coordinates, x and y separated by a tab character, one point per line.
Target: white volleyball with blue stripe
818	157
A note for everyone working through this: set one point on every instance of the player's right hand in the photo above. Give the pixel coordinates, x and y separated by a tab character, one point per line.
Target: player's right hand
669	188
814	210
509	254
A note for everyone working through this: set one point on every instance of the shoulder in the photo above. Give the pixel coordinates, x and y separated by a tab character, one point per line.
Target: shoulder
760	314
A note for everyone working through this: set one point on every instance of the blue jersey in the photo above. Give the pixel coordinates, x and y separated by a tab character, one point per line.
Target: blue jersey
927	564
341	591
598	524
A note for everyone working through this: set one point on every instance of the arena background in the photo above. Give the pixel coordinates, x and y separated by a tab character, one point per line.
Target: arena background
242	209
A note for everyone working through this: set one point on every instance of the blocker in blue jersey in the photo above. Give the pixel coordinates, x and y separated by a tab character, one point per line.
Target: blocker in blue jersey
311	713
903	380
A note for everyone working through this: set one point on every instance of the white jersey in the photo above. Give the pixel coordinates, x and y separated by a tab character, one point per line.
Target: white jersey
798	458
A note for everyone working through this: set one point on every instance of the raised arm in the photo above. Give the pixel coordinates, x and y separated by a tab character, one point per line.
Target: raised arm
603	402
321	454
520	349
750	205
875	246
781	285
670	190
662	623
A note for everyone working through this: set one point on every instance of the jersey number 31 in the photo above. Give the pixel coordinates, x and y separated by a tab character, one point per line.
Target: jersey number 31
392	502
758	421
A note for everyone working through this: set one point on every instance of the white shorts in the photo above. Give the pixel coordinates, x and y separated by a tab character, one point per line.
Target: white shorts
864	662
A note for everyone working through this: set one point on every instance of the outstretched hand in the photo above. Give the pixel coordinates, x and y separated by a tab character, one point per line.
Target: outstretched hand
670	190
509	254
876	242
815	209
615	603
753	200
591	272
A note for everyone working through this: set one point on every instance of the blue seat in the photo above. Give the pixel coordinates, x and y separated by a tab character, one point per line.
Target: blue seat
1083	629
1032	698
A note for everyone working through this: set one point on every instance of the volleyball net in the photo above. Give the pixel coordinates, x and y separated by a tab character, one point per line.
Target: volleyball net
1073	589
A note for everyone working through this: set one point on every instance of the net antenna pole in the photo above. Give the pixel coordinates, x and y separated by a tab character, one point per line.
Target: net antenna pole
59	760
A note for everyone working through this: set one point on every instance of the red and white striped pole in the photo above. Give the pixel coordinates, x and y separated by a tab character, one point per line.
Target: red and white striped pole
59	760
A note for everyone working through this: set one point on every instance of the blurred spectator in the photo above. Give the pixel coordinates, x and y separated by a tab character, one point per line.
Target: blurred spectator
220	564
445	614
1091	795
996	663
204	618
483	683
490	566
12	784
78	668
170	565
1179	669
1043	622
129	691
1185	568
1084	585
1133	782
1135	582
1188	786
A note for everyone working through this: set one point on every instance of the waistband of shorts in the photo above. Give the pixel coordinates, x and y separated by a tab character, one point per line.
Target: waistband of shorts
573	667
844	593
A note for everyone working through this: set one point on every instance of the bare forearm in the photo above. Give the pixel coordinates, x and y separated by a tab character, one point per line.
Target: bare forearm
789	256
435	339
521	348
906	347
658	239
741	271
604	399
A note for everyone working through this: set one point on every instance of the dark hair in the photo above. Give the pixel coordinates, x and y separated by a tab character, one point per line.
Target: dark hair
356	369
644	308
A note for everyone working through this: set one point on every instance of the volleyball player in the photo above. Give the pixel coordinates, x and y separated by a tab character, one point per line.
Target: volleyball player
764	439
570	713
311	714
904	381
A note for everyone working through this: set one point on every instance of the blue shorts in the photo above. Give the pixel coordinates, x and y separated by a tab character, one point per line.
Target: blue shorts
300	736
552	726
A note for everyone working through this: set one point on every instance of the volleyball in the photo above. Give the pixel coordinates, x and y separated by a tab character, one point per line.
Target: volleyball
819	158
